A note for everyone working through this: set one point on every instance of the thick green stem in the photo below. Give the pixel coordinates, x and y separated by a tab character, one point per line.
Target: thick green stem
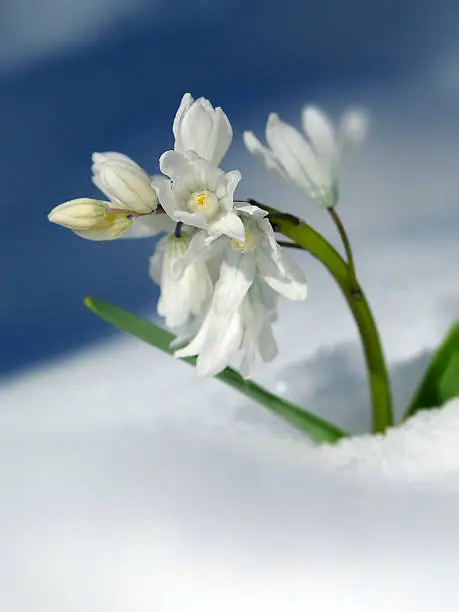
311	241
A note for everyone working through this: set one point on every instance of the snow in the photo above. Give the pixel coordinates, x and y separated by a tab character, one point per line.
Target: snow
119	495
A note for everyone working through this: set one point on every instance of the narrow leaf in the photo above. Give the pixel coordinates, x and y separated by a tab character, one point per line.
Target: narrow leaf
319	429
441	380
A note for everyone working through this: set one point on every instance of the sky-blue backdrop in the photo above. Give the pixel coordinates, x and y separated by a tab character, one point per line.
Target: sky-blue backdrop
114	82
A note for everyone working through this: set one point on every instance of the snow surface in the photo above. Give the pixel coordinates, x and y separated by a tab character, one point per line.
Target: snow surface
115	499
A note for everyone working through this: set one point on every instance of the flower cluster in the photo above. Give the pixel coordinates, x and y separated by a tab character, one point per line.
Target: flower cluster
219	266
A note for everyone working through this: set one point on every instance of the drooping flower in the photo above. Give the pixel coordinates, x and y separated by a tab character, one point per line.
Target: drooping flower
183	297
200	127
259	255
218	337
241	312
199	194
312	163
258	315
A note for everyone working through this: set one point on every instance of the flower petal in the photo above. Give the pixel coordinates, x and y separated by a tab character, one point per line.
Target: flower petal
225	339
320	131
149	225
353	129
281	273
223	135
112	232
226	187
207	174
156	260
250	210
185	104
267	344
180	297
201	248
229	224
128	185
166	197
197	126
265	155
199	340
79	214
98	158
295	155
236	276
173	164
191	218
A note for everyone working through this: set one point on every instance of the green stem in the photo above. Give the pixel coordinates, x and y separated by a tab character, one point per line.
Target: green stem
347	247
310	240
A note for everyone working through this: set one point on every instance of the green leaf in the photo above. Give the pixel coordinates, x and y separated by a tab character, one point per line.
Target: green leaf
441	380
319	429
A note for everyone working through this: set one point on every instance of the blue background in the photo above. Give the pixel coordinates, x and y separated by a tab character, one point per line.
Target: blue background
114	83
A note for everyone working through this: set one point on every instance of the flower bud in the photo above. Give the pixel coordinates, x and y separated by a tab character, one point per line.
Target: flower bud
200	127
79	214
90	219
124	182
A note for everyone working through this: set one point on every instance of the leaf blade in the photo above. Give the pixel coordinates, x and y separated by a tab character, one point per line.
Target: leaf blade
319	429
440	382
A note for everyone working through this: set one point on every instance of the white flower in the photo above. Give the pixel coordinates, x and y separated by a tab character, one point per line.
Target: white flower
258	315
240	314
201	128
260	255
199	194
124	182
91	219
219	337
183	297
313	164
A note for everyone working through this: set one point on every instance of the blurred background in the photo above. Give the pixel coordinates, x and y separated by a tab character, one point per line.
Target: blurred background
93	425
79	76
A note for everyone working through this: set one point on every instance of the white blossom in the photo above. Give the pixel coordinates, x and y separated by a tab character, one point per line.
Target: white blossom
124	182
90	219
217	337
258	314
200	127
313	162
240	314
183	297
200	194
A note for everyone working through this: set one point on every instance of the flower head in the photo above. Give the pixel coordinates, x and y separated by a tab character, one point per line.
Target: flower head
242	307
183	297
124	182
91	219
199	194
200	127
312	163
